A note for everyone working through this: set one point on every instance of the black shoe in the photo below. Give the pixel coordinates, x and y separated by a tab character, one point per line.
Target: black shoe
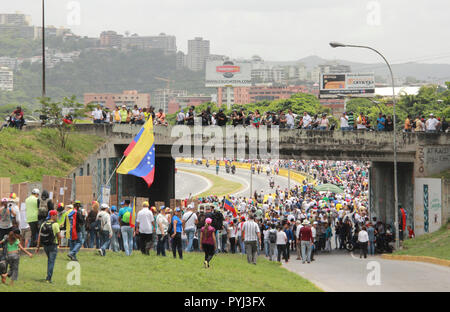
70	257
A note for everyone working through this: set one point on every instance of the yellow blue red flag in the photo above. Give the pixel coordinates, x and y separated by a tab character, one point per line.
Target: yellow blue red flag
140	158
133	213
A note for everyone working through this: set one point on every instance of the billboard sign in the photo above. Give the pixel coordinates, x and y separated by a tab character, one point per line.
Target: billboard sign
228	73
332	85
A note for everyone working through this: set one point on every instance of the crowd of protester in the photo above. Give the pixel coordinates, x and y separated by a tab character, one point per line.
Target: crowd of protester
280	119
299	221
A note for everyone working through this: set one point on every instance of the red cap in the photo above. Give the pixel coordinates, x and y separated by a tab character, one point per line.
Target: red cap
53	213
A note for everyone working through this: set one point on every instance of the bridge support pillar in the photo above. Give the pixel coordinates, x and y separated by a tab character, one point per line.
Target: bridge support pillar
382	191
163	187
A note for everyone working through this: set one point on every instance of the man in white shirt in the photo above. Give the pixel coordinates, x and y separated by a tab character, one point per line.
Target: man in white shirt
306	121
344	121
290	120
251	235
363	239
189	224
97	115
180	118
144	228
432	124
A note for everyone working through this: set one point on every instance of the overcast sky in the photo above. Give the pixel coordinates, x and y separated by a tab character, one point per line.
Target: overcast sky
277	30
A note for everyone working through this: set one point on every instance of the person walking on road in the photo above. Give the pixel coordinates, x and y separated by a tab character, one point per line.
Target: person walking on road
363	239
282	244
250	236
307	241
371	234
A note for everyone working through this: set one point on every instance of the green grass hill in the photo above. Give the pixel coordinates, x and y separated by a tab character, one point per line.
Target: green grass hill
26	156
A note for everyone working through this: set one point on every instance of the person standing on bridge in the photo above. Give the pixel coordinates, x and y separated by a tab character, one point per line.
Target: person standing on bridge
123	114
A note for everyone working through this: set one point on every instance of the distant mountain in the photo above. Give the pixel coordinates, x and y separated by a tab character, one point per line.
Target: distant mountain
420	71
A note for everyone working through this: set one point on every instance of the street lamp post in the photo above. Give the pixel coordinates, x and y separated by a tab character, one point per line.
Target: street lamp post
43	49
341	45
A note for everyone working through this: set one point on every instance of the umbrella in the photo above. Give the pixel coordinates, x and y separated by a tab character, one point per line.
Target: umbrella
329	188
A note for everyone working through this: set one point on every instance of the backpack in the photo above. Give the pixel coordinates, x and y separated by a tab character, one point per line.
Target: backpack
126	217
272	237
47	235
43	209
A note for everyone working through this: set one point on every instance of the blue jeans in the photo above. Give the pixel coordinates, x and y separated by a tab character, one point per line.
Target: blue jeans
83	235
371	248
190	238
74	246
306	251
161	245
267	247
127	234
94	237
104	239
242	246
115	240
50	251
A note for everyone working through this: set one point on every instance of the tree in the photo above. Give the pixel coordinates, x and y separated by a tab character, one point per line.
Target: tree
56	111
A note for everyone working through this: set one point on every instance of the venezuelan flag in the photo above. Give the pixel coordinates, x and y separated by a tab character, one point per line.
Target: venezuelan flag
133	213
134	142
140	160
228	205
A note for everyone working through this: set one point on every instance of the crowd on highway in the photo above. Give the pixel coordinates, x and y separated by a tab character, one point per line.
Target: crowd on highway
301	221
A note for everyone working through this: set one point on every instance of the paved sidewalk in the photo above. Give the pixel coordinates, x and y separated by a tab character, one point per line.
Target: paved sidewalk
343	271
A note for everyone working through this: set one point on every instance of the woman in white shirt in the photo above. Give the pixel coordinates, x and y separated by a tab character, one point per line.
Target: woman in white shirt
281	244
363	239
161	231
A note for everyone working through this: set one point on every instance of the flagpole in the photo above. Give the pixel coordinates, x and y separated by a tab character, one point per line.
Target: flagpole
110	177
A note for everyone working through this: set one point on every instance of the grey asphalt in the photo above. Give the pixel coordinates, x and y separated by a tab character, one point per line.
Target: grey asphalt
260	182
346	272
186	184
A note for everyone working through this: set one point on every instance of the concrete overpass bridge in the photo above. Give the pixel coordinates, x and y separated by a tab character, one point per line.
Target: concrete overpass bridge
418	155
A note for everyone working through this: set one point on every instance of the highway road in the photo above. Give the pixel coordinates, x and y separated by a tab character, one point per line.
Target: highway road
189	184
260	182
344	271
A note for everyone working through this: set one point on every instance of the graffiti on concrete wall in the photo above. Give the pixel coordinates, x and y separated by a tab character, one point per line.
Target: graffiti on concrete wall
427	205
